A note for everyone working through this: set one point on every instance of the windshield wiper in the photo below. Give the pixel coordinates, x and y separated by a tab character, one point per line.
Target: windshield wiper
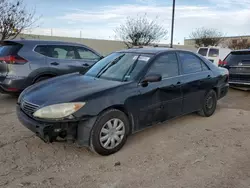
105	68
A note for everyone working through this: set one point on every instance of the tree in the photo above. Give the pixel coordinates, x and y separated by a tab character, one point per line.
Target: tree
206	37
14	18
140	31
237	44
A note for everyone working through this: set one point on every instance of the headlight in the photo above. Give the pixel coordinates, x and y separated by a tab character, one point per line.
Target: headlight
58	111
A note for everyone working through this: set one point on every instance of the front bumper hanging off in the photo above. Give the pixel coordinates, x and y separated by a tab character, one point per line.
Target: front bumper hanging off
71	131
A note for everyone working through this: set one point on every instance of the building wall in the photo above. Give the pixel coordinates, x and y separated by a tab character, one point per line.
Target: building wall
102	46
224	42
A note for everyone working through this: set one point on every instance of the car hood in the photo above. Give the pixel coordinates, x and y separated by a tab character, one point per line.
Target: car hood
67	88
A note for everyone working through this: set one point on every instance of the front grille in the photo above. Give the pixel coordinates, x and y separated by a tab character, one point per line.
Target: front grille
29	108
239	78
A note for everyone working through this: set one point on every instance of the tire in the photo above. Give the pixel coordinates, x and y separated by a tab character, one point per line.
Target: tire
209	104
111	116
42	78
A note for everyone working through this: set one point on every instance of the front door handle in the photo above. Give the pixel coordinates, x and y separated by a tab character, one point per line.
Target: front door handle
54	63
175	85
209	76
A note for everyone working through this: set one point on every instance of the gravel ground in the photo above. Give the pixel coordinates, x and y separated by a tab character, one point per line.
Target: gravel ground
190	151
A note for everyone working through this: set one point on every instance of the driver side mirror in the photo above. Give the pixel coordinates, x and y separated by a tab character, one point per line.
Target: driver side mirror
151	78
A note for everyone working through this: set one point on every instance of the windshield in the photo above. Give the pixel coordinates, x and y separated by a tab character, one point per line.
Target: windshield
119	66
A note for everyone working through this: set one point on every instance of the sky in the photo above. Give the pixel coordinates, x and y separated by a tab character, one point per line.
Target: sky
99	18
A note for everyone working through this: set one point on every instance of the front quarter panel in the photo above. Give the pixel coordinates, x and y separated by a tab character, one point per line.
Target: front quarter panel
98	102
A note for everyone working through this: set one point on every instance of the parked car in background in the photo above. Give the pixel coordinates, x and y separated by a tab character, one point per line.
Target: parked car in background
123	93
25	62
238	64
214	54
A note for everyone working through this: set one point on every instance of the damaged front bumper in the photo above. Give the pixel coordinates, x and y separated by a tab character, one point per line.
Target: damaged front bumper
70	131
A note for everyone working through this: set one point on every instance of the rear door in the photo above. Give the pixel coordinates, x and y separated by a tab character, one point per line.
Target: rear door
7	49
63	58
196	80
238	64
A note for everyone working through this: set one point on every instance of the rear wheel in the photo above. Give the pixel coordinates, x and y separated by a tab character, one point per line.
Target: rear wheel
109	133
209	104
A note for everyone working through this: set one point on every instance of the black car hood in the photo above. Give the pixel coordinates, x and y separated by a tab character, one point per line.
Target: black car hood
65	88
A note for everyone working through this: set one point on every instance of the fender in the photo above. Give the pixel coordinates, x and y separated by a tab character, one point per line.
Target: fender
42	71
84	131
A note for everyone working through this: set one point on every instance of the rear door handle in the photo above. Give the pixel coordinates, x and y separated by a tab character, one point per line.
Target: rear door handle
54	63
85	64
209	76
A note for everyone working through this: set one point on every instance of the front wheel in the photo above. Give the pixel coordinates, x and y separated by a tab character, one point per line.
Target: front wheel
109	133
209	104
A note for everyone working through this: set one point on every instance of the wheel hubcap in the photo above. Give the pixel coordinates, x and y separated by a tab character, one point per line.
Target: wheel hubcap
112	133
209	102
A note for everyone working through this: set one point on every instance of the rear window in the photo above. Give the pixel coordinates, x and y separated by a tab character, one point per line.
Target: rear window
234	58
213	52
9	49
203	51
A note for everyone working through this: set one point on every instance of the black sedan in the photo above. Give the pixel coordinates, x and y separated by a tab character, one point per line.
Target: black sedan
121	94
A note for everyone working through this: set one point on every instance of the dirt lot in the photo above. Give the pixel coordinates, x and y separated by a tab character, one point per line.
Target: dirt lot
186	152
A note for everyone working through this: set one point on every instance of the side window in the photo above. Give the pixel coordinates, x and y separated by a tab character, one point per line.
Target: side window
86	54
213	52
41	49
203	51
61	52
166	65
190	63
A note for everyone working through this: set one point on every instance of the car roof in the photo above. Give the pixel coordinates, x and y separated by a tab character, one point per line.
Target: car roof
242	50
37	42
150	50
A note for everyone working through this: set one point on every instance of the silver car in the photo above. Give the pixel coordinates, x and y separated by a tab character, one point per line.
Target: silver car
25	62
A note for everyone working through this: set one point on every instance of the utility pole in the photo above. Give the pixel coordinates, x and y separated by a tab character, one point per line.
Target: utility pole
172	29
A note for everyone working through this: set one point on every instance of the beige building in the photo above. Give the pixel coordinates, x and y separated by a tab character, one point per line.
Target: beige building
224	42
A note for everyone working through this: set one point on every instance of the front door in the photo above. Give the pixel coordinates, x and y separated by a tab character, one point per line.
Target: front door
161	100
85	57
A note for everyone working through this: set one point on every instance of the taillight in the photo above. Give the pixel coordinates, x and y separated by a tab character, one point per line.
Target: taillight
222	63
13	59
